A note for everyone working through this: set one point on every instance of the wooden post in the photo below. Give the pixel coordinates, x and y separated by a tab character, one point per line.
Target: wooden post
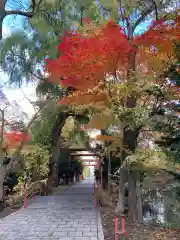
116	228
122	225
122	233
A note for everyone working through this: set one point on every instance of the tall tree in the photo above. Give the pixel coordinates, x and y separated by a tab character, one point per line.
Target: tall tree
113	67
22	56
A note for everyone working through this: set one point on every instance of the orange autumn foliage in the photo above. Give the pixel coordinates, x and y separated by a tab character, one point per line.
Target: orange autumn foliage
87	98
105	138
14	138
88	60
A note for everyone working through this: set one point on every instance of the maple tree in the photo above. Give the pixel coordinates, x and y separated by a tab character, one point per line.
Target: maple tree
13	138
91	61
120	72
9	140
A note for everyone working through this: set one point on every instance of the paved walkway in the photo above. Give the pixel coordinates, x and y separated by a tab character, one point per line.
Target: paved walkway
66	216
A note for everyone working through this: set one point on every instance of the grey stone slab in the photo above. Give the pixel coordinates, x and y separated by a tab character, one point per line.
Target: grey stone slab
60	234
67	238
75	234
90	234
82	238
66	216
69	229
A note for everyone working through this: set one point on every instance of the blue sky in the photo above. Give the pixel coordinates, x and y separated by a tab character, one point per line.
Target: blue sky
142	27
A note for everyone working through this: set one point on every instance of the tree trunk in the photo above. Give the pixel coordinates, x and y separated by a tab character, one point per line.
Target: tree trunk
132	199
105	178
120	204
55	147
2	16
139	201
1	182
55	169
130	140
49	181
53	176
2	174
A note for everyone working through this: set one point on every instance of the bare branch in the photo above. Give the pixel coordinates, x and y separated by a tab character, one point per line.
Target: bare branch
18	12
33	5
81	18
144	14
155	8
28	99
122	15
28	14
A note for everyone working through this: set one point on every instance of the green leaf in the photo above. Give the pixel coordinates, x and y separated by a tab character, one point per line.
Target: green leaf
82	119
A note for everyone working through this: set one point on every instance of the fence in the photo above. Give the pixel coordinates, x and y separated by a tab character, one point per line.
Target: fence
38	187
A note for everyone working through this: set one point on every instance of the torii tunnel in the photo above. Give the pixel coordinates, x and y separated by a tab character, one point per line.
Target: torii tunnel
89	159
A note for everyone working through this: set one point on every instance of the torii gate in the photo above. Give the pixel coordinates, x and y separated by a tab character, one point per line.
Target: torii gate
90	162
77	152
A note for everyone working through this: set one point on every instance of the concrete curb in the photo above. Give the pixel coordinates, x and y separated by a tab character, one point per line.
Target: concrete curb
100	227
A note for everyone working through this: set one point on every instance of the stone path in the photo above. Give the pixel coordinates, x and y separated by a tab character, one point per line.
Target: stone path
65	216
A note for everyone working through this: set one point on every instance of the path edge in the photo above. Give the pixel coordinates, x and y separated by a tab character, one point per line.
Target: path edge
100	227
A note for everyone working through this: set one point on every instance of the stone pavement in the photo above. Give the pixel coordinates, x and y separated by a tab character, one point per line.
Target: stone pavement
65	216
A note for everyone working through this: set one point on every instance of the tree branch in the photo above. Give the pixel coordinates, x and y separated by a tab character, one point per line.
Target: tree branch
56	131
2	129
143	16
33	5
122	16
81	18
22	13
18	12
28	99
155	8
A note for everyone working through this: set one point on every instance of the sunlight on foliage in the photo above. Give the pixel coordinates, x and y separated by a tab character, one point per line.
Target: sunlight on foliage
34	167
